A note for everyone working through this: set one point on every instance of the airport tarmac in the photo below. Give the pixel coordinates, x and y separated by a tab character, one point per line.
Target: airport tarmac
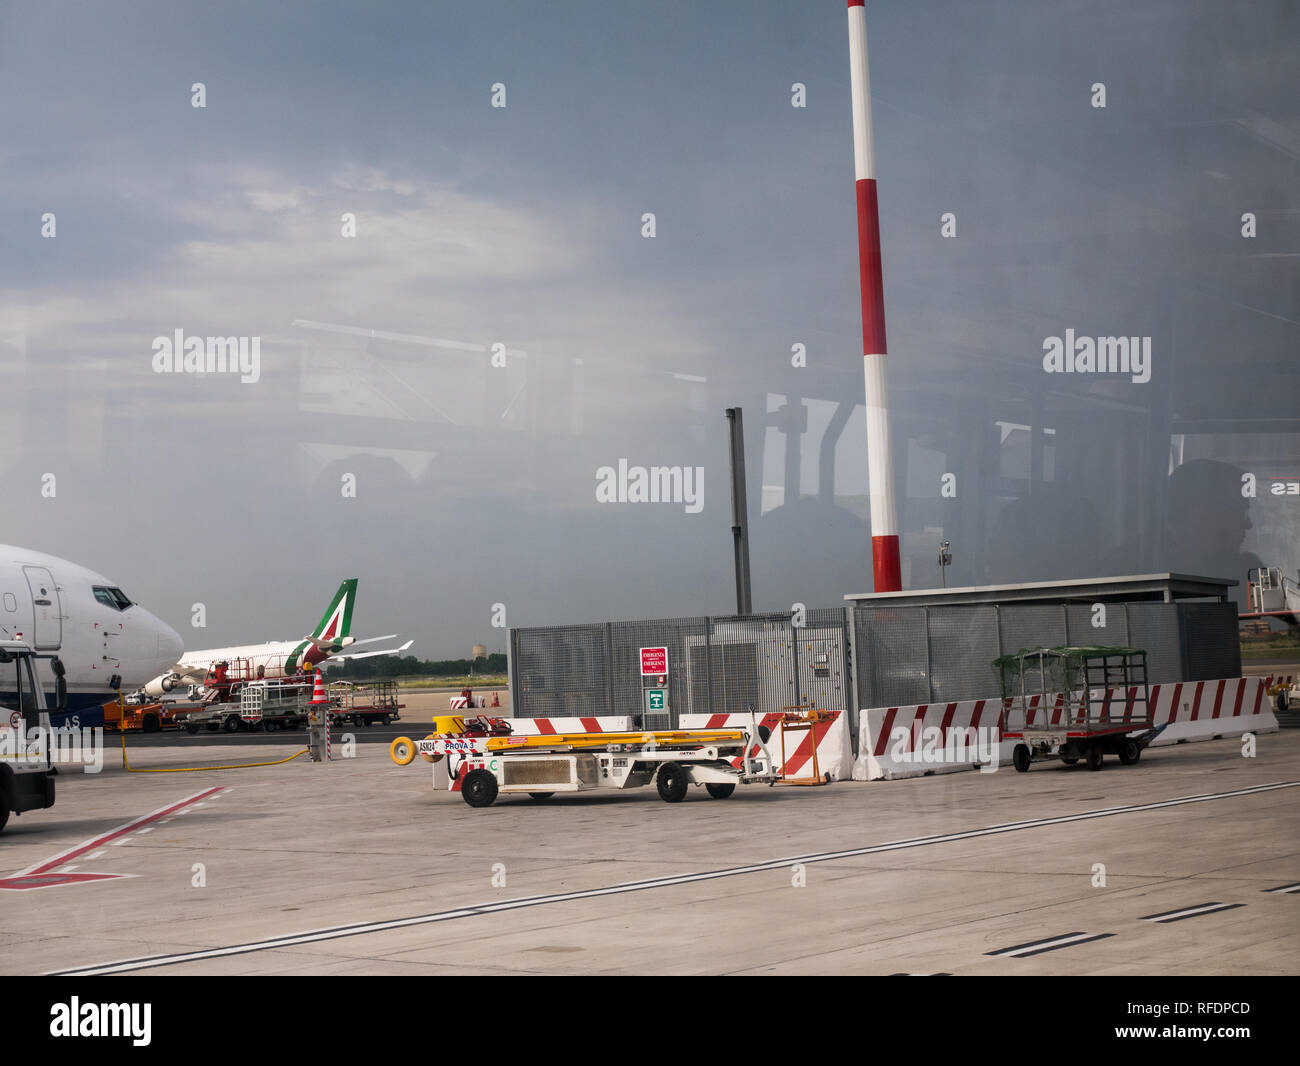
261	871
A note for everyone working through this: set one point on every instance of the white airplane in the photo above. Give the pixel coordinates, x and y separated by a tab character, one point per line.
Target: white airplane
104	640
283	658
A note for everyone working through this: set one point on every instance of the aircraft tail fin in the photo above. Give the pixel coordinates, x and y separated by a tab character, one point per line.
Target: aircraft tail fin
336	622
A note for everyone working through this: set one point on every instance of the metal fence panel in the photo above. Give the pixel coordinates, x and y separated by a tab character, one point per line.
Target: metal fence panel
559	670
1153	627
963	645
1211	641
627	639
892	659
1024	626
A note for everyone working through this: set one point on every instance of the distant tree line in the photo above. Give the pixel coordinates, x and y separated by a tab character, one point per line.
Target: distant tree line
410	666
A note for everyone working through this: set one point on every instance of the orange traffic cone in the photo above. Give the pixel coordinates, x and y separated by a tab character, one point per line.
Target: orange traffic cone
496	702
318	692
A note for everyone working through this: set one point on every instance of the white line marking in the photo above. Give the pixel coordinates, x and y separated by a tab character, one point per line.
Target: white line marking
1051	944
1189	912
68	869
337	932
76	850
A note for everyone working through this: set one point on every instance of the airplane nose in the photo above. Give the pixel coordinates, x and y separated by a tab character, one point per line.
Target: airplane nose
170	645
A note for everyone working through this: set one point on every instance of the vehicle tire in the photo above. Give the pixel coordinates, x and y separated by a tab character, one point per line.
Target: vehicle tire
365	720
270	726
192	730
402	751
1094	757
479	788
764	734
719	792
150	724
1282	702
4	809
1069	760
672	782
1020	758
541	795
1129	752
231	724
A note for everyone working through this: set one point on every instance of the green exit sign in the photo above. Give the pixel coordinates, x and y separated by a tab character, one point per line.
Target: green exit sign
655	699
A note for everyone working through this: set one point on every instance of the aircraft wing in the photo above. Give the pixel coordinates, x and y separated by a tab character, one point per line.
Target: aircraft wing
370	654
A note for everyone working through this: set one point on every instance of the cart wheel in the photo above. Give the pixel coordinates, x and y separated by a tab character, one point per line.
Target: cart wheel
672	783
401	751
1129	752
231	724
541	795
1020	758
4	808
479	788
719	792
1281	702
1094	757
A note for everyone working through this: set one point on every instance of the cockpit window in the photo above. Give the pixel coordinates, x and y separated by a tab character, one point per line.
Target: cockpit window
112	597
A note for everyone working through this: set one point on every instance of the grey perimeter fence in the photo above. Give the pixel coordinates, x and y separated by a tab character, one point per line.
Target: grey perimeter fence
888	656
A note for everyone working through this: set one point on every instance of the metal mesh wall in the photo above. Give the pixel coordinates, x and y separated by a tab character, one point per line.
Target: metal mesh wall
1023	626
559	670
892	660
626	641
1211	645
963	645
900	656
1154	628
715	666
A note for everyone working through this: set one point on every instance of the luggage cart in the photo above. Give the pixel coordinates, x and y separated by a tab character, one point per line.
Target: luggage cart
1073	703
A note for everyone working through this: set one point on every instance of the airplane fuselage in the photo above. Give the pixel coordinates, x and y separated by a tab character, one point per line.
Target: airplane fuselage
99	633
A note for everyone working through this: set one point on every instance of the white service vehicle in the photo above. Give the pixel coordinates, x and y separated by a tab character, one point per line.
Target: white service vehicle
485	762
26	769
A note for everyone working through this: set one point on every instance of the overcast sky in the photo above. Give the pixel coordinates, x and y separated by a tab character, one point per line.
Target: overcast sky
522	226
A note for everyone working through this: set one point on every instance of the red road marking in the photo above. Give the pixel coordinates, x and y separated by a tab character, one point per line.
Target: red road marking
23	878
17	884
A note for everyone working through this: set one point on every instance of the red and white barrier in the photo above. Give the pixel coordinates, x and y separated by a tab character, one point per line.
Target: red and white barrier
834	752
935	738
929	738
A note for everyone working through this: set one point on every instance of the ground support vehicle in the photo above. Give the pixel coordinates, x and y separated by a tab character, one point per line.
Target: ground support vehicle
363	703
484	761
1062	703
26	765
130	715
274	703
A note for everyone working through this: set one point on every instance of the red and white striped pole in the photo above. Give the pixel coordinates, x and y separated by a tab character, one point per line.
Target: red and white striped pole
880	460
